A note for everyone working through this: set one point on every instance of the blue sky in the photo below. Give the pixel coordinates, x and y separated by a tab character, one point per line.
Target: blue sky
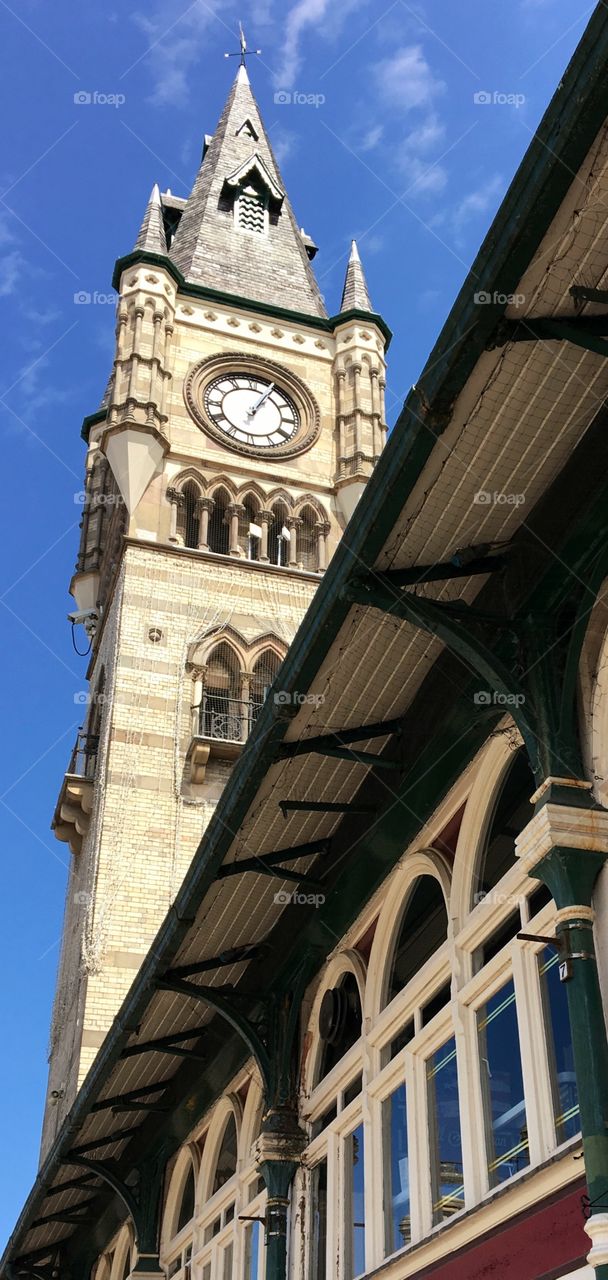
383	139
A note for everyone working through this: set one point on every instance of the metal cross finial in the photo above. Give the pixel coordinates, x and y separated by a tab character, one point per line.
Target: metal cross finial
244	52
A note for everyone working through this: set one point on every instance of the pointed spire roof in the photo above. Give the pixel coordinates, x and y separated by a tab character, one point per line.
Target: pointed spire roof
355	295
152	232
268	265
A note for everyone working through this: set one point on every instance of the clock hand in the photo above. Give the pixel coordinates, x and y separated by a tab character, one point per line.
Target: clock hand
262	399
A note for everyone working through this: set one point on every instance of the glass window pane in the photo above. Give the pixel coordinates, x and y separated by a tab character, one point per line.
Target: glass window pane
354	1156
227	1263
444	1133
226	1160
559	1047
318	1259
253	1234
502	1086
396	1172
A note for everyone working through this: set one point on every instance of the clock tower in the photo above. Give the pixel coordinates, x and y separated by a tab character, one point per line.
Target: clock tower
239	427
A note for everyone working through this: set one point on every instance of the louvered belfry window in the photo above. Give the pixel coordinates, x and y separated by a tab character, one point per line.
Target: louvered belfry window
251	211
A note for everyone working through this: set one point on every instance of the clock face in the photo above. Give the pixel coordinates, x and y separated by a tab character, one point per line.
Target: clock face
251	410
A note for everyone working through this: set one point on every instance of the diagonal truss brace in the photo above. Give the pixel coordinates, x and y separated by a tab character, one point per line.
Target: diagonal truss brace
446	622
270	864
323	806
226	1007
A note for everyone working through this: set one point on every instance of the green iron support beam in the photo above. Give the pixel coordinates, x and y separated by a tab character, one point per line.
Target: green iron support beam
131	1095
460	566
78	1213
266	862
73	1184
143	1204
237	955
172	1044
323	806
120	1135
588	332
570	875
227	1008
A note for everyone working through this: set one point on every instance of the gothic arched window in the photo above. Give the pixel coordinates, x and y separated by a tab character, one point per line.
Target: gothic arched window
221	713
186	1208
511	813
424	927
248	541
225	1165
250	210
219	530
308	553
278	545
263	675
190	515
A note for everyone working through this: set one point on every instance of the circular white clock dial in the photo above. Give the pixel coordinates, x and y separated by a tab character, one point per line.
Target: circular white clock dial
251	410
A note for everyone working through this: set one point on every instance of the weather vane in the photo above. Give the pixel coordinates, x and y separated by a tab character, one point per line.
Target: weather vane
244	52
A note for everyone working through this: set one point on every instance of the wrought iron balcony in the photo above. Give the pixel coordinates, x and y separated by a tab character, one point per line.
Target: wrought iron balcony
221	726
73	811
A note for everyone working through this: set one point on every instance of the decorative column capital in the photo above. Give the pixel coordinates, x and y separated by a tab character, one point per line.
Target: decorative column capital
235	509
562	826
206	504
323	527
597	1229
294	522
175	496
265	515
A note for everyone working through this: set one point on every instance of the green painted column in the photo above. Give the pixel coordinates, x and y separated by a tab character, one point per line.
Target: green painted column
570	875
278	1151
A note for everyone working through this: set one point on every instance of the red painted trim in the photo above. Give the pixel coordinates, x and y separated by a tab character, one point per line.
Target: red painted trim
544	1242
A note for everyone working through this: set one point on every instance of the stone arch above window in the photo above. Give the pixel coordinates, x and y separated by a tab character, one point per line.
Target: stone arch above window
423	930
497	810
422	880
220	713
180	1203
221	1157
263	674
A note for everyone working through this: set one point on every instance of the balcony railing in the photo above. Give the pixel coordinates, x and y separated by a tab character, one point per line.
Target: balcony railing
225	719
83	759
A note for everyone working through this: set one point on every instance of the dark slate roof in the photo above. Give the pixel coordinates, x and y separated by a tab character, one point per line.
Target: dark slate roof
152	232
209	250
355	295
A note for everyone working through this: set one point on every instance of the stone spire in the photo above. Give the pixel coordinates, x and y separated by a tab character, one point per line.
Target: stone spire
355	296
237	232
152	232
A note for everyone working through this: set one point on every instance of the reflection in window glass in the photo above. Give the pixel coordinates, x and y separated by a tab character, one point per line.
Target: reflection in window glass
396	1172
444	1133
559	1047
354	1162
318	1262
502	1086
253	1234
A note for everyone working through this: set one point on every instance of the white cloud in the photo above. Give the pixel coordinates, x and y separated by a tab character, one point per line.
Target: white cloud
424	178
174	41
406	79
325	17
283	145
465	215
371	137
11	267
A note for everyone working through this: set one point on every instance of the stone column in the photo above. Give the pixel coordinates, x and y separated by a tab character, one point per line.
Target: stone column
293	524
177	502
199	676
265	518
566	846
245	705
206	506
322	530
234	512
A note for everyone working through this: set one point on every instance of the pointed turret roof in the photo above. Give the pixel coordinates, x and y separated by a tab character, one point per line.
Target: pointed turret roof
268	266
355	295
152	232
